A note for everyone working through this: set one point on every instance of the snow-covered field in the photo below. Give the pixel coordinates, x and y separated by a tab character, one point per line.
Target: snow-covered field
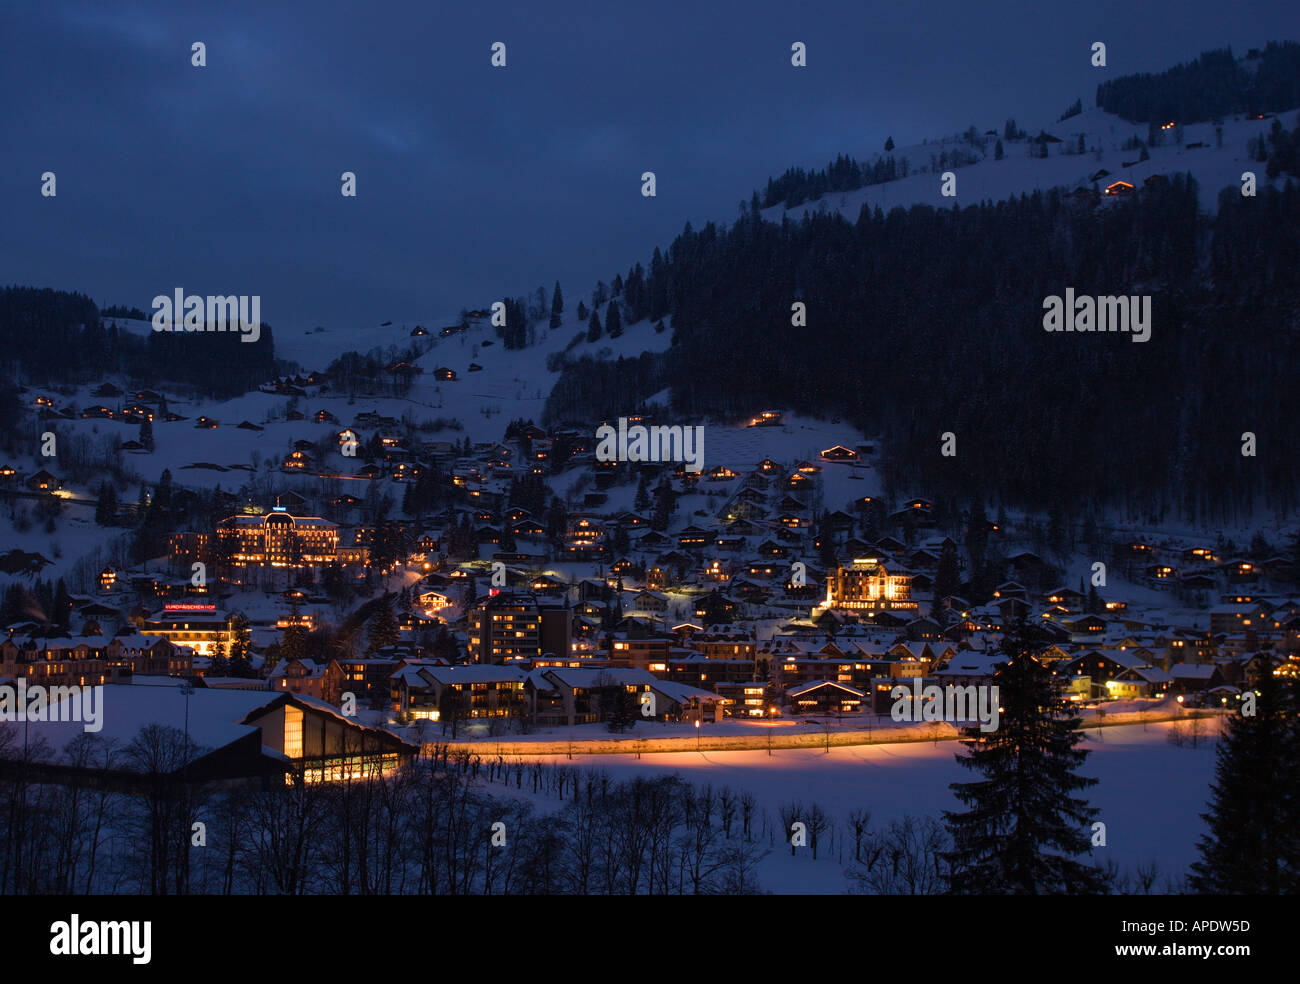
1150	794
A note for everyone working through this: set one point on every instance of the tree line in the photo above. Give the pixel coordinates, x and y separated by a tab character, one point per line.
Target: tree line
797	185
60	336
1210	87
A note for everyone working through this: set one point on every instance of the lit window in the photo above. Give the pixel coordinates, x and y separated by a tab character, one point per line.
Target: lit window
293	732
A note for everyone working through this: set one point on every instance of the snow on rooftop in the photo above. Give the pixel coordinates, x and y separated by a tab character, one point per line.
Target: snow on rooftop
213	719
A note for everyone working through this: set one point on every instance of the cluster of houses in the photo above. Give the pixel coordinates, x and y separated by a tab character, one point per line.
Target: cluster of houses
766	608
769	602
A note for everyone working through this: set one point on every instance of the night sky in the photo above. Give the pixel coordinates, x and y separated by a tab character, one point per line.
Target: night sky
473	181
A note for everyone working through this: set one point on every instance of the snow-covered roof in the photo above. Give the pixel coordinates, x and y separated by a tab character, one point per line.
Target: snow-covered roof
472	673
1192	671
804	688
214	719
591	676
681	693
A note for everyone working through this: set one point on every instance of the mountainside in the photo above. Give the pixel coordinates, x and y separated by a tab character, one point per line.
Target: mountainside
924	319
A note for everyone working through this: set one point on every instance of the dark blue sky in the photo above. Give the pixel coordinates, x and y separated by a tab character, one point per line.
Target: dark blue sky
474	182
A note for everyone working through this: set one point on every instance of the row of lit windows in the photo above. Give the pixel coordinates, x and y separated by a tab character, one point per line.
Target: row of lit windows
349	767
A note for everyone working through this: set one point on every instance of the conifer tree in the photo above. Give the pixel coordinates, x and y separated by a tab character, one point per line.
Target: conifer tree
106	504
444	645
557	307
241	664
1094	600
218	664
15	606
947	578
613	320
665	503
44	594
593	327
1252	845
977	533
1024	828
293	643
557	520
383	629
622	707
62	614
827	555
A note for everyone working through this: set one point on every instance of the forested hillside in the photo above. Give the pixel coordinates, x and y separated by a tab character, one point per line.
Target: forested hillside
927	320
59	336
1211	87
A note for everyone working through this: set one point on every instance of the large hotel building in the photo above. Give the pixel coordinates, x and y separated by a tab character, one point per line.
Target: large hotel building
188	623
278	540
867	586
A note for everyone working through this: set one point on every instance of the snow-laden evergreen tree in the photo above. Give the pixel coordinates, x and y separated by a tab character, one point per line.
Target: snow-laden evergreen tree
1252	845
1024	828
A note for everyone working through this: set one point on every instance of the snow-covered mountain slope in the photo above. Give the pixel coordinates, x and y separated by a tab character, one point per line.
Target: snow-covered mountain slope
1215	167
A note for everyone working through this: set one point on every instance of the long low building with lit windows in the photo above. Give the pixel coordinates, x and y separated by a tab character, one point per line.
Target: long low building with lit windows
239	736
89	661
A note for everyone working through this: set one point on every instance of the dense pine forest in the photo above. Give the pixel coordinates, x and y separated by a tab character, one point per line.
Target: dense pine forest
797	186
929	320
61	336
1211	87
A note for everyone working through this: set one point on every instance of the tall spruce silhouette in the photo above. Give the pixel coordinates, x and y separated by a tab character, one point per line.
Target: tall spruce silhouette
1252	845
1024	829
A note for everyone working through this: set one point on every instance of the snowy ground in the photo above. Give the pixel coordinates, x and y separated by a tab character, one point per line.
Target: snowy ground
815	725
1150	794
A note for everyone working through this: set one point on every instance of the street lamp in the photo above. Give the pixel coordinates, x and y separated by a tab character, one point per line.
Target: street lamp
187	689
697	730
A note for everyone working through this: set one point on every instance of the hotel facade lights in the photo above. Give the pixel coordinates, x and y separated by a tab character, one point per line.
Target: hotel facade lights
195	624
279	540
866	585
